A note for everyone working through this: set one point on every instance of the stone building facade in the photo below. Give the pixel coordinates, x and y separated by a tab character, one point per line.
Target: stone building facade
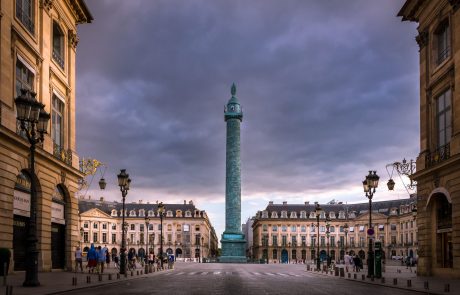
438	164
187	231
286	233
38	52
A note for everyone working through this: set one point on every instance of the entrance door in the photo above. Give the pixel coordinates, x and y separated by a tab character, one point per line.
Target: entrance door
20	225
284	256
57	245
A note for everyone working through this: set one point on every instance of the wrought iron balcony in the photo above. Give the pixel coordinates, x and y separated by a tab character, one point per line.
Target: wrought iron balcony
58	58
438	155
62	154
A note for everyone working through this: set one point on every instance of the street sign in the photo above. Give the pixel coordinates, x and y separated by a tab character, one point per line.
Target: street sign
370	231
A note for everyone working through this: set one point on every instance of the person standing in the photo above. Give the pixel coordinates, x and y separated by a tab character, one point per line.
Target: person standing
101	259
92	259
78	259
347	261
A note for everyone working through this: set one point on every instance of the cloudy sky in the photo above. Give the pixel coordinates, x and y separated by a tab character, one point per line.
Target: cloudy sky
329	90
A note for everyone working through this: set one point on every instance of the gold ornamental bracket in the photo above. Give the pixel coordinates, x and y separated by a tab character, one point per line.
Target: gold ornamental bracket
90	167
406	168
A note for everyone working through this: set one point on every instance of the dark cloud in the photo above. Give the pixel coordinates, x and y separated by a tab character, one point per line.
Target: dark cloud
328	88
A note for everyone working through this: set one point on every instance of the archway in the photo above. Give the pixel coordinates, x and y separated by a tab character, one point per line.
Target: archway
265	254
352	253
411	253
21	218
362	254
342	254
304	255
86	249
313	254
169	251
58	227
114	252
441	208
322	255
332	254
178	253
294	254
133	251
284	256
275	254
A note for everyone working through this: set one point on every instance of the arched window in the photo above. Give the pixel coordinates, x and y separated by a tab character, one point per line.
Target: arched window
188	213
274	214
141	213
264	227
178	213
114	212
169	227
169	213
265	214
132	213
303	214
283	214
293	214
151	213
58	45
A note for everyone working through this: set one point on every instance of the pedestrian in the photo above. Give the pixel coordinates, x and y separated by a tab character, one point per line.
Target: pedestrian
78	259
356	263
347	259
92	259
101	259
107	258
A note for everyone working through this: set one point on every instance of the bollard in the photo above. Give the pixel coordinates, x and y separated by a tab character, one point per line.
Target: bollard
363	277
9	290
446	288
100	277
355	276
409	283
308	267
336	270
132	273
395	281
88	279
110	276
74	281
118	276
137	272
383	280
349	275
142	272
426	286
342	272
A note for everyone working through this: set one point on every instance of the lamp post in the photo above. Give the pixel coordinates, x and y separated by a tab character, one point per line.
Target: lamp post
327	236
202	244
370	184
147	223
318	212
345	228
123	181
33	121
161	210
82	231
199	248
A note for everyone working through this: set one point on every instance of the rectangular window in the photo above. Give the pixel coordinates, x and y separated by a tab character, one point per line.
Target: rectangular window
95	237
114	238
85	225
85	237
342	241
133	227
294	240
141	227
304	240
323	241
24	77
114	226
444	118
25	14
332	241
275	240
284	240
104	226
57	122
104	237
443	42
95	225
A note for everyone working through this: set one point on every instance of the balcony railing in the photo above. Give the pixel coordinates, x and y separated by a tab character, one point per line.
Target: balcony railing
443	55
62	154
438	155
58	58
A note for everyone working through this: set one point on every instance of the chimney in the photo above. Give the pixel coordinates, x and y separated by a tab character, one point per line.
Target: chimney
190	202
185	202
284	202
307	202
140	201
270	203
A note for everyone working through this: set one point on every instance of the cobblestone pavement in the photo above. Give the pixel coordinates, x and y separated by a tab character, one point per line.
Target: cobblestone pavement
239	279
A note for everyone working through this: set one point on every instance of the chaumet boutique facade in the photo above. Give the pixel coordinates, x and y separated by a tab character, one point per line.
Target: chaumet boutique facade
38	52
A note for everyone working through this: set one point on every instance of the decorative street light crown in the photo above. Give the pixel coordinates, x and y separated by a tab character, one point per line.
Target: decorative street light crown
123	179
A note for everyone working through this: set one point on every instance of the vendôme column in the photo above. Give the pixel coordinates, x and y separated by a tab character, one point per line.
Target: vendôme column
233	240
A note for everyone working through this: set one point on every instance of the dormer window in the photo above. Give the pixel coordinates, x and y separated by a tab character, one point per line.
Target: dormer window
151	213
283	214
312	215
442	42
274	214
303	214
114	213
322	215
188	214
332	215
353	214
341	215
197	213
178	213
132	213
58	45
293	214
169	213
141	213
265	214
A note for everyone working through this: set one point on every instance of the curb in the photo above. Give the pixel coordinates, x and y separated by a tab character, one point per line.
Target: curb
379	284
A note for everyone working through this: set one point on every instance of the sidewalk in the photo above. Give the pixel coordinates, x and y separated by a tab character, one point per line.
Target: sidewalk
61	281
406	279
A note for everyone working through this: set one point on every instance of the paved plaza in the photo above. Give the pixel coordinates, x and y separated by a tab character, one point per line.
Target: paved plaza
214	278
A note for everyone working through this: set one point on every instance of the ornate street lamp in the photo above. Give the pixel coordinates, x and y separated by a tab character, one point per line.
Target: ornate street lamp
161	212
147	223
327	236
402	168
123	182
317	212
33	120
370	184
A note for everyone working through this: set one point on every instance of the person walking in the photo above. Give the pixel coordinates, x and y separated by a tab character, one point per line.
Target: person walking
92	259
347	259
78	259
101	259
